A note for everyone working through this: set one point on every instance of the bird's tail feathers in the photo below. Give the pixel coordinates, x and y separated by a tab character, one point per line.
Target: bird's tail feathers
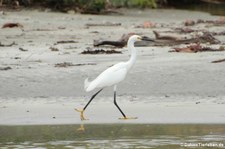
86	84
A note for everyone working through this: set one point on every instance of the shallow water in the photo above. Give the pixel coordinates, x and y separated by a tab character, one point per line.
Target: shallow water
113	136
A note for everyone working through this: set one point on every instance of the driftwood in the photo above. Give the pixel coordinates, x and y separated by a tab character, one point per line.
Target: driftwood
65	42
119	43
103	24
7	45
219	61
218	33
5	68
189	30
195	48
218	22
67	64
22	49
165	37
172	40
11	25
160	40
184	30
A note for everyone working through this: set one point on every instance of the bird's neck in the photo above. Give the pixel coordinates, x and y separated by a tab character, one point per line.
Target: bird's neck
133	55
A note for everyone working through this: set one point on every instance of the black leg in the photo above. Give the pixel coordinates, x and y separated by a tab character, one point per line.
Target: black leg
117	105
92	99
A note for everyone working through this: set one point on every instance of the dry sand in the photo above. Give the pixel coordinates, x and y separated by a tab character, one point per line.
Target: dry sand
162	87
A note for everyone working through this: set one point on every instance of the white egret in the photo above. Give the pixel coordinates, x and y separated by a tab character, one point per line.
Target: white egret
112	76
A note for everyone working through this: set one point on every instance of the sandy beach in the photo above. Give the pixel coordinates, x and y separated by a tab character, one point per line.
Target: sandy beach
163	87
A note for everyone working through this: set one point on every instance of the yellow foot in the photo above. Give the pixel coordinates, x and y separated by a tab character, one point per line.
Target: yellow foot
127	118
81	114
81	128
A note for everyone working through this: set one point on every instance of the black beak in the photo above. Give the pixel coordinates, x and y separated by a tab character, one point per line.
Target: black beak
145	38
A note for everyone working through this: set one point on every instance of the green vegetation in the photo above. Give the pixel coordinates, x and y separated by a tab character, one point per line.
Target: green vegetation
143	3
92	6
86	5
98	6
134	3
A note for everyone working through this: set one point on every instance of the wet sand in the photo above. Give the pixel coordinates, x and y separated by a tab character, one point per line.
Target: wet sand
162	87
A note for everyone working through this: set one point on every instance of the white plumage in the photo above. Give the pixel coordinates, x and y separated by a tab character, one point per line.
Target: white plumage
112	76
109	77
116	73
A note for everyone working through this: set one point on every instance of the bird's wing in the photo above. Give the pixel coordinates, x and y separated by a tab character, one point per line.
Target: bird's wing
109	77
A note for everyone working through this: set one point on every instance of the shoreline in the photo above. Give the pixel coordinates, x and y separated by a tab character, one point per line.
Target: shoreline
168	87
61	111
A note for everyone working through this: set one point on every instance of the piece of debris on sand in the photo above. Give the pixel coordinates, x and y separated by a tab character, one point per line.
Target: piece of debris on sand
22	49
222	33
11	25
219	61
195	48
65	42
163	40
54	49
146	24
5	68
103	24
165	37
160	40
218	22
119	43
189	22
7	45
184	30
68	64
100	51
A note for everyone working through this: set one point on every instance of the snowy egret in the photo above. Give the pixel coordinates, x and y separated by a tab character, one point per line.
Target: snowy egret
112	76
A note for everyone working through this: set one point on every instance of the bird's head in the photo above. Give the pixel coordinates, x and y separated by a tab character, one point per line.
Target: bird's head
135	38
